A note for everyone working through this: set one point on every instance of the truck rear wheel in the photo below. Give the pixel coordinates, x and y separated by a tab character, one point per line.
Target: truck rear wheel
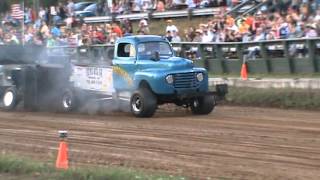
203	105
67	101
143	103
10	98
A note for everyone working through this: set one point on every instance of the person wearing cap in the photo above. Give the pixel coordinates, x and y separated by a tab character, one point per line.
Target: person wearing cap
311	31
170	27
144	26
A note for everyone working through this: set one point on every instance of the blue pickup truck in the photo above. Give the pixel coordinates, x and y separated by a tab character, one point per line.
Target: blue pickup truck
144	68
147	67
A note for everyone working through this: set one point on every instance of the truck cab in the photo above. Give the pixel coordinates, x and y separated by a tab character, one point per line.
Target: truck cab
147	67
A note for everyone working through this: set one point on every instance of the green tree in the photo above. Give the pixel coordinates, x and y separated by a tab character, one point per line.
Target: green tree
45	3
4	6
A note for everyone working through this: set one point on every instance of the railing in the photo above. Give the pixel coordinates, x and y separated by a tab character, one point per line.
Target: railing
85	55
255	8
241	7
276	56
156	15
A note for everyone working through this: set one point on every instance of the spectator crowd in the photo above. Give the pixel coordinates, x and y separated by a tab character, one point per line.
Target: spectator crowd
54	26
296	19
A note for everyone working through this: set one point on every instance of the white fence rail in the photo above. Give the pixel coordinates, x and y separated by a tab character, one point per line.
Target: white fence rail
156	15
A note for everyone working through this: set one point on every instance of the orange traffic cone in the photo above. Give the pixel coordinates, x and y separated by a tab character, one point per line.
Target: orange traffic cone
244	71
62	159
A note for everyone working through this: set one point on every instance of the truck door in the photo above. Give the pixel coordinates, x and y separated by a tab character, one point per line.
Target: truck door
124	66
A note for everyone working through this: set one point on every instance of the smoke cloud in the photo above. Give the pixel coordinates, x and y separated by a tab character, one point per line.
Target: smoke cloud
51	70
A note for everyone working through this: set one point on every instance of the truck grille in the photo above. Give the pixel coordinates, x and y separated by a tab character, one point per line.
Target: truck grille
185	80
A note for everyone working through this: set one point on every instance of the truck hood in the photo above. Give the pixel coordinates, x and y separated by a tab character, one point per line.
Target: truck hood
176	63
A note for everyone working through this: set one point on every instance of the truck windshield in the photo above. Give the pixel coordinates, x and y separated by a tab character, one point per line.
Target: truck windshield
147	49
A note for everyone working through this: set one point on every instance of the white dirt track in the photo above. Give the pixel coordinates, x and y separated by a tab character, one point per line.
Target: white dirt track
232	142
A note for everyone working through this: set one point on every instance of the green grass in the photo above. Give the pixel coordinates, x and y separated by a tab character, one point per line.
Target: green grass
282	98
29	169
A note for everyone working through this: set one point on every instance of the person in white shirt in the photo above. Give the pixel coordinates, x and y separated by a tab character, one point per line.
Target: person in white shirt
70	7
255	50
177	1
170	27
206	36
42	13
175	37
191	4
143	26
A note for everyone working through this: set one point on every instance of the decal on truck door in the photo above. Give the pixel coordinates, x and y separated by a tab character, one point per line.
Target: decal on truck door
123	74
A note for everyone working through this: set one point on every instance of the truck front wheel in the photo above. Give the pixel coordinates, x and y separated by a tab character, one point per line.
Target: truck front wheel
203	105
10	98
143	103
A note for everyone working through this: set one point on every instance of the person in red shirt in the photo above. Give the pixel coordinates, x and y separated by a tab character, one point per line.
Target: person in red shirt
116	29
100	36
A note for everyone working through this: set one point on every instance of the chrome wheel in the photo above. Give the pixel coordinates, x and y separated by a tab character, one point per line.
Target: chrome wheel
67	101
143	103
8	98
136	104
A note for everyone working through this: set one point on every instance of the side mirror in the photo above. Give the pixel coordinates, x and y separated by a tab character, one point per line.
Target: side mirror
155	56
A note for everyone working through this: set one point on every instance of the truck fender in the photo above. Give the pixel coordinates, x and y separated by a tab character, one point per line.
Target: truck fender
144	84
142	80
